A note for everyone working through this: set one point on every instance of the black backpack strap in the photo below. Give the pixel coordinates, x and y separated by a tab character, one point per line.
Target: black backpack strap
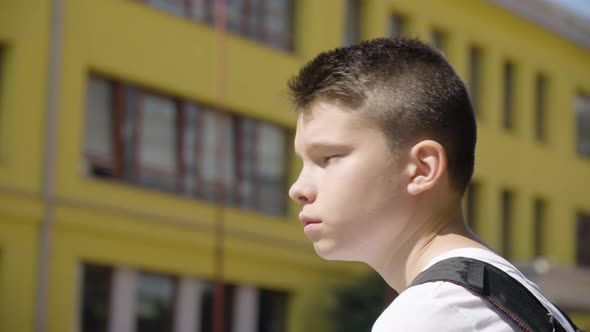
497	287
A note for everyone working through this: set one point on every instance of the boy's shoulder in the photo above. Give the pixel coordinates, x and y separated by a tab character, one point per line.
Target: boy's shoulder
444	306
441	306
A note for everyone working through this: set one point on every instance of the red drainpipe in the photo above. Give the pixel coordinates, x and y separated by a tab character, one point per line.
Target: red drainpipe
218	291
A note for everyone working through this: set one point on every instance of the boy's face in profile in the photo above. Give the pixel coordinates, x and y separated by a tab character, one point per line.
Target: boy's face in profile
351	189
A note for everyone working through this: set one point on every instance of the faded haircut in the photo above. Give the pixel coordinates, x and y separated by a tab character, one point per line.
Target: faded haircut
404	87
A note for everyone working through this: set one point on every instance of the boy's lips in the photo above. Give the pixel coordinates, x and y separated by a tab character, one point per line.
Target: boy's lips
307	220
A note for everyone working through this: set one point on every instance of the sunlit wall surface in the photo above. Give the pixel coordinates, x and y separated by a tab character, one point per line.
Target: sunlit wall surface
155	113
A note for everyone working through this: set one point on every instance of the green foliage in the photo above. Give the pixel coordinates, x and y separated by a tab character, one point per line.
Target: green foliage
358	305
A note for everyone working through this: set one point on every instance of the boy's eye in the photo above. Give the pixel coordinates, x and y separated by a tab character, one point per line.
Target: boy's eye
328	158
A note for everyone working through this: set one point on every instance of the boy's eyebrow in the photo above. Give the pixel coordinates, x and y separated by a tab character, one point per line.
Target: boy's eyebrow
321	146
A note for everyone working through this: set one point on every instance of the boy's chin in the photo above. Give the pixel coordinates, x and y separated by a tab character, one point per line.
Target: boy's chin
331	253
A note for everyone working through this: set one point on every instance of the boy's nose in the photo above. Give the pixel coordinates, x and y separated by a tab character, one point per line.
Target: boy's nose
302	191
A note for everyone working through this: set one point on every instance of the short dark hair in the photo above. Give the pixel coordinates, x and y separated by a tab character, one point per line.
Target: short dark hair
405	87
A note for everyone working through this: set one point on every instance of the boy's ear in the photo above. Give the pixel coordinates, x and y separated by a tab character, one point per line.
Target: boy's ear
427	164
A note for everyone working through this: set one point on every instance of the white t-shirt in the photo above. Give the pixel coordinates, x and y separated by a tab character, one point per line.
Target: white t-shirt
444	306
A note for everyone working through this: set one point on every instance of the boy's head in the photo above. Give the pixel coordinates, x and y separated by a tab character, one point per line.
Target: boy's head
380	124
403	87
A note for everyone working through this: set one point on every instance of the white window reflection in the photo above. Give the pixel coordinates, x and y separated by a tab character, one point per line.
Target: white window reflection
98	123
216	163
157	157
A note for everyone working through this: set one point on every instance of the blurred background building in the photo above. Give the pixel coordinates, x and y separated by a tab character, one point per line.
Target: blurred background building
145	155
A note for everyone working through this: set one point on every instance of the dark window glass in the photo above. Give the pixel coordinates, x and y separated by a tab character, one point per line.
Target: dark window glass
96	288
1	80
508	97
582	118
583	239
206	324
471	204
352	29
396	26
539	218
506	222
474	77
540	108
438	39
155	303
129	130
272	311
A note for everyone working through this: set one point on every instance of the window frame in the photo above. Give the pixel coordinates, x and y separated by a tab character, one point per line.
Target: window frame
126	117
260	33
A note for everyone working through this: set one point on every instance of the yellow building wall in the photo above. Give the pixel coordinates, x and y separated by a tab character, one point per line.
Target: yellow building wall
23	38
23	43
123	225
18	249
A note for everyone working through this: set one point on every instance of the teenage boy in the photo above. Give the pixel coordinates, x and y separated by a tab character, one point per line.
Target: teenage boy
386	134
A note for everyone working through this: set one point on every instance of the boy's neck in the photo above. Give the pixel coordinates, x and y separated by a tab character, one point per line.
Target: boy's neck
433	233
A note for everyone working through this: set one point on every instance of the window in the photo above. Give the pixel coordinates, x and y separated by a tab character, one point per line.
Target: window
470	204
216	163
98	145
474	79
396	26
262	164
206	314
266	21
583	239
506	222
438	39
1	89
508	97
176	146
122	299
176	7
582	104
352	28
95	306
272	311
539	224
540	108
154	303
156	155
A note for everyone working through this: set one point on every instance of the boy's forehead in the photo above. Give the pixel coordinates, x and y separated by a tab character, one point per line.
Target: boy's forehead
325	115
326	123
